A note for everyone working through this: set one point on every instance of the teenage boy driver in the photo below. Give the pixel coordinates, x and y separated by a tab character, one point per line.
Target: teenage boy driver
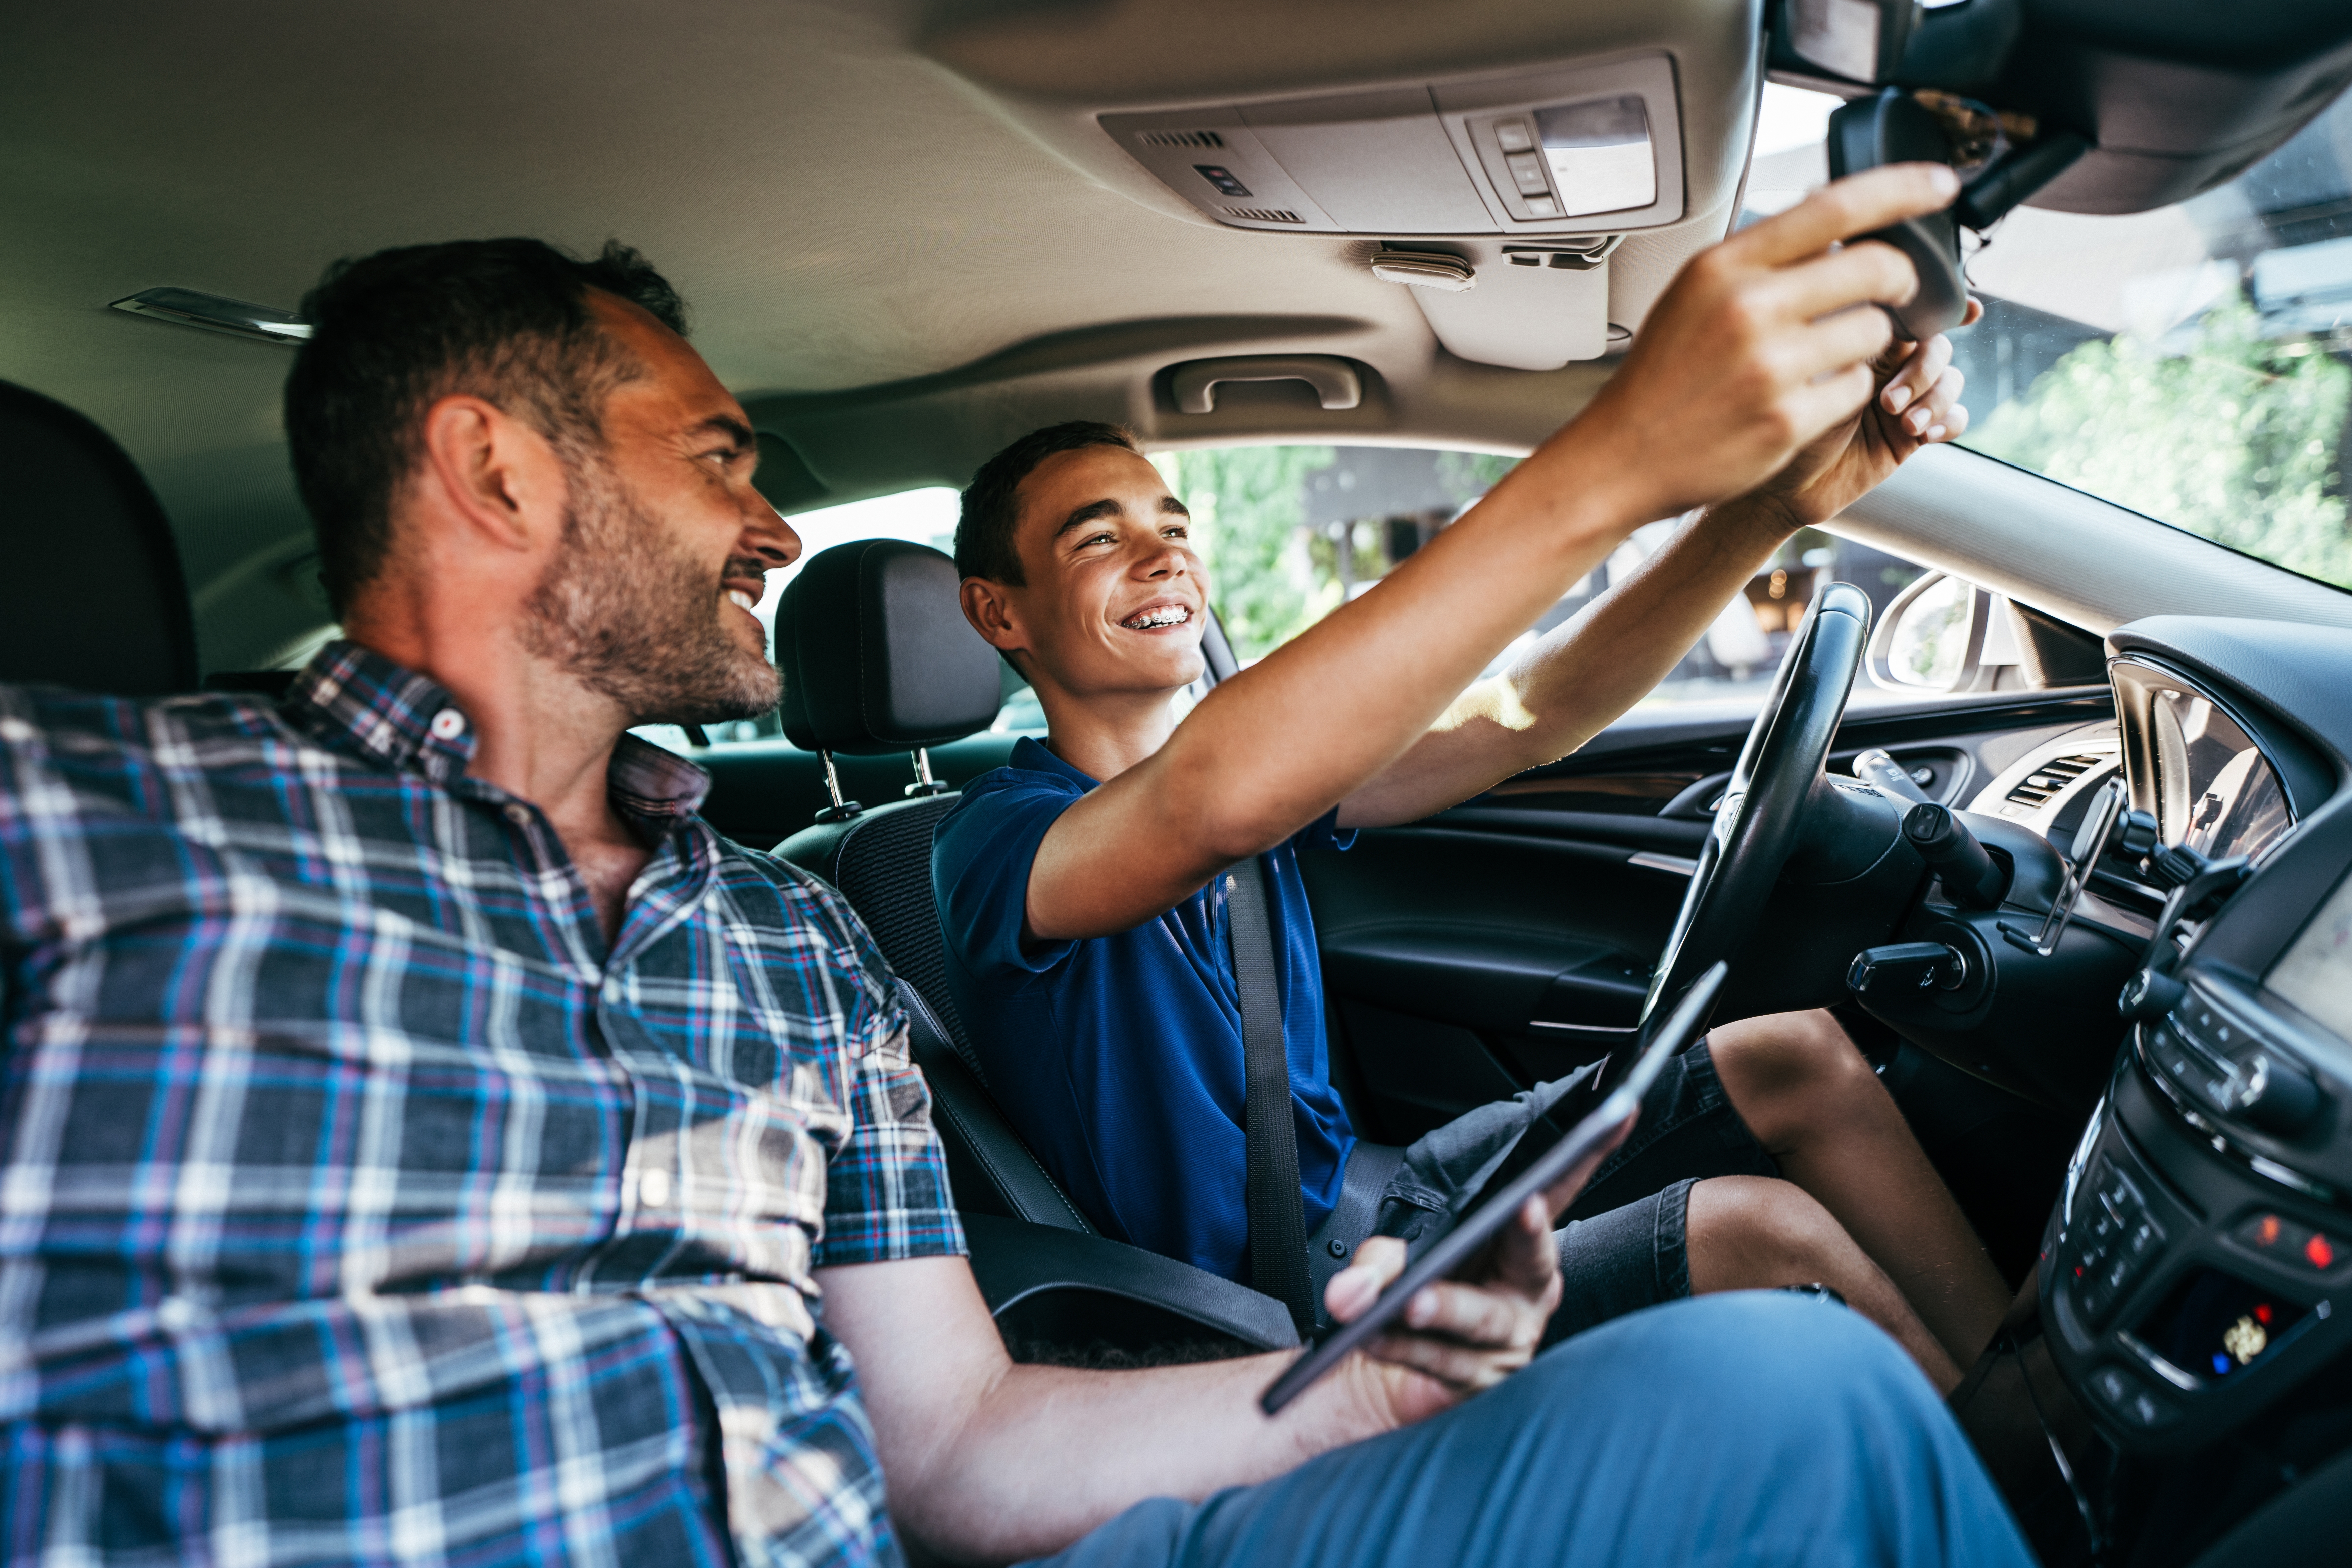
424	1141
1088	947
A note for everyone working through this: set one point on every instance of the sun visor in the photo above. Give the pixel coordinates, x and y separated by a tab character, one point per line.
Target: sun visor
1584	149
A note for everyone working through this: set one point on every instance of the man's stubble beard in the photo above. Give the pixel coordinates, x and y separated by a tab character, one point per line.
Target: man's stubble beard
639	623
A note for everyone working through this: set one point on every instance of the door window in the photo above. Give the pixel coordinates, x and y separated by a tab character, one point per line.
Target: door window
1290	532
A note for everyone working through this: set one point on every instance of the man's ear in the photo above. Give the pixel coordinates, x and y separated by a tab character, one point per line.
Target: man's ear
495	476
991	611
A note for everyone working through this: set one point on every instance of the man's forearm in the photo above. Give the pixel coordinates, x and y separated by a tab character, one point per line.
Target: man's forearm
1055	1451
1580	675
991	1461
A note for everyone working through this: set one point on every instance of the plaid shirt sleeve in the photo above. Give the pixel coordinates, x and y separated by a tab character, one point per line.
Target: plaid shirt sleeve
887	1193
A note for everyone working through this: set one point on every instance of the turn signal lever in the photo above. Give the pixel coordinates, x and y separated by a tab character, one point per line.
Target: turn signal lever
1972	879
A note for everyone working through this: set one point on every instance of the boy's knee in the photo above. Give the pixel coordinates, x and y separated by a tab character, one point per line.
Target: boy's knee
1785	1070
1751	1232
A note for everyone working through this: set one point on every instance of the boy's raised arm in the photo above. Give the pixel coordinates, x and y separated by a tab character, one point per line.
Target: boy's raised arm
1762	345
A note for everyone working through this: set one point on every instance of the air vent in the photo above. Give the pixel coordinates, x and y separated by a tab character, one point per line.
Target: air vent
1263	214
1180	139
2037	788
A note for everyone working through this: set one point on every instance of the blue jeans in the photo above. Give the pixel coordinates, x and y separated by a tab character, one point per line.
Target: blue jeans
1755	1428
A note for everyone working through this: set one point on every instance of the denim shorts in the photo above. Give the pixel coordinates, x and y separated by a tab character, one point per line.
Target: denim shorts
1626	1243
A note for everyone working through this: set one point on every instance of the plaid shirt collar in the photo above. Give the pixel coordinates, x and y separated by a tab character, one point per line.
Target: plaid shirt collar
410	723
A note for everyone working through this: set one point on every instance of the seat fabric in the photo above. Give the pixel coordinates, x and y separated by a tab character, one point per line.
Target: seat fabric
93	595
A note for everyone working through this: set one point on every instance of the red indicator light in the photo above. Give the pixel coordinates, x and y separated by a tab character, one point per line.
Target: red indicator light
2078	1271
2269	1234
2263	1314
2322	1255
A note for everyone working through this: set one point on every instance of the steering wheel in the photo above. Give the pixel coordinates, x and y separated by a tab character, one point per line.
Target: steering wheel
1763	811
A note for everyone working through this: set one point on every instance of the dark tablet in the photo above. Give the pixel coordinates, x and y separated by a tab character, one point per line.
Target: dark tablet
1619	1105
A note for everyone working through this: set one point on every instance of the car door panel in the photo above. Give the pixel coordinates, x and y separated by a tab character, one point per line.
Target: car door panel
1510	939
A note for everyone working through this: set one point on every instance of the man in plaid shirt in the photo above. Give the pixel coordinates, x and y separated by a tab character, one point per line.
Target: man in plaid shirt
423	1139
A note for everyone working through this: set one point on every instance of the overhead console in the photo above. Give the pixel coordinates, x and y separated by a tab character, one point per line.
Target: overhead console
1516	186
1585	150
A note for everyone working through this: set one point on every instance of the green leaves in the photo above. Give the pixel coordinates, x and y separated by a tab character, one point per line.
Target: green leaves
2217	431
1248	522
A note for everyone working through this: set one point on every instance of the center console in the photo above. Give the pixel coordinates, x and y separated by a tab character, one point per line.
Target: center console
2198	1267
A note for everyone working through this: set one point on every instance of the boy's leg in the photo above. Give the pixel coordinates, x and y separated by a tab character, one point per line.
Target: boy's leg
1721	1234
1813	1103
1690	1206
1749	1429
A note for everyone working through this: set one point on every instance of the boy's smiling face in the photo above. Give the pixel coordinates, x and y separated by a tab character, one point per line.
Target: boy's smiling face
1114	600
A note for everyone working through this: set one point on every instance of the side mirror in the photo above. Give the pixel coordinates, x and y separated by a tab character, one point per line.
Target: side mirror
1932	637
1945	634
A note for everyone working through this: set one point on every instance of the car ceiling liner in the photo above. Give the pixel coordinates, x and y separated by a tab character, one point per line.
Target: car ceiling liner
1499	196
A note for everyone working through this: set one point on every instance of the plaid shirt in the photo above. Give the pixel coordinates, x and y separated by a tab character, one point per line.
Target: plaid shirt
358	1204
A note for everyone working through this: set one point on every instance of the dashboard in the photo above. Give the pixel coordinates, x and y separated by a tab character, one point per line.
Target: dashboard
2197	1270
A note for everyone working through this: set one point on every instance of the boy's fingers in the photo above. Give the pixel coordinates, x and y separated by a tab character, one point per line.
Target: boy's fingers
1937	406
1850	338
1870	273
1814	408
1845	208
1920	372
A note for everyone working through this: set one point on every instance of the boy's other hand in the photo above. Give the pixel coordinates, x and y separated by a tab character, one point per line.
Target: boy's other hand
1769	344
1917	405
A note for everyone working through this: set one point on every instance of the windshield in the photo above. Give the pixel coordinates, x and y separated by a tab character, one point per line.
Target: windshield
2193	363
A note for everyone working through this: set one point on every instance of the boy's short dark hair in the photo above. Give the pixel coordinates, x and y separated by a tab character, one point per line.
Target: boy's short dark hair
984	538
504	320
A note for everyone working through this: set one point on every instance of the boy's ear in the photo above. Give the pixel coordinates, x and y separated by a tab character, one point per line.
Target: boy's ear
990	610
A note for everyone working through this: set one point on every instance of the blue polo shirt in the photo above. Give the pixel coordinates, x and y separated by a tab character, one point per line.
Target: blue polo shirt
1118	1058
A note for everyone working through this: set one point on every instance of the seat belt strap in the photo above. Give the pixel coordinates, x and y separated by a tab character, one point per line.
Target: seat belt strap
1277	1223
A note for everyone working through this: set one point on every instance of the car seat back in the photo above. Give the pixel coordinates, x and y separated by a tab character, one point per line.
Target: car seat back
93	595
877	659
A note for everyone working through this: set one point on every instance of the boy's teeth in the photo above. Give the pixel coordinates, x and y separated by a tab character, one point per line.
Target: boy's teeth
1169	615
737	597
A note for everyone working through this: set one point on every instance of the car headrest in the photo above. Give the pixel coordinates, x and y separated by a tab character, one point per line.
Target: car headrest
877	655
92	596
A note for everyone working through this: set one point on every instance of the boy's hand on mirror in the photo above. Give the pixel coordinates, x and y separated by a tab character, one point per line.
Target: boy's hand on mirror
1762	345
1917	403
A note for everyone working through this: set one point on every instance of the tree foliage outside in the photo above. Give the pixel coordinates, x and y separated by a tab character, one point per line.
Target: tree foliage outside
1248	520
1470	474
2217	430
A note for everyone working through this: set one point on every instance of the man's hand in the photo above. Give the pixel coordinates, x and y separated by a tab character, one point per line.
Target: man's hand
1464	1334
1763	345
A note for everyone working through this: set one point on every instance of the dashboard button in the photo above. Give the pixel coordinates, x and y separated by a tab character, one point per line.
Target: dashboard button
2128	1397
1514	135
2278	1237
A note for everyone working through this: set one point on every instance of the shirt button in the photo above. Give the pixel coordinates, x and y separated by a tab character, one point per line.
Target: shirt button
653	1188
520	815
448	724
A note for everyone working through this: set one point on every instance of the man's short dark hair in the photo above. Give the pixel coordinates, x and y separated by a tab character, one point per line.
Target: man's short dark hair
503	319
983	540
